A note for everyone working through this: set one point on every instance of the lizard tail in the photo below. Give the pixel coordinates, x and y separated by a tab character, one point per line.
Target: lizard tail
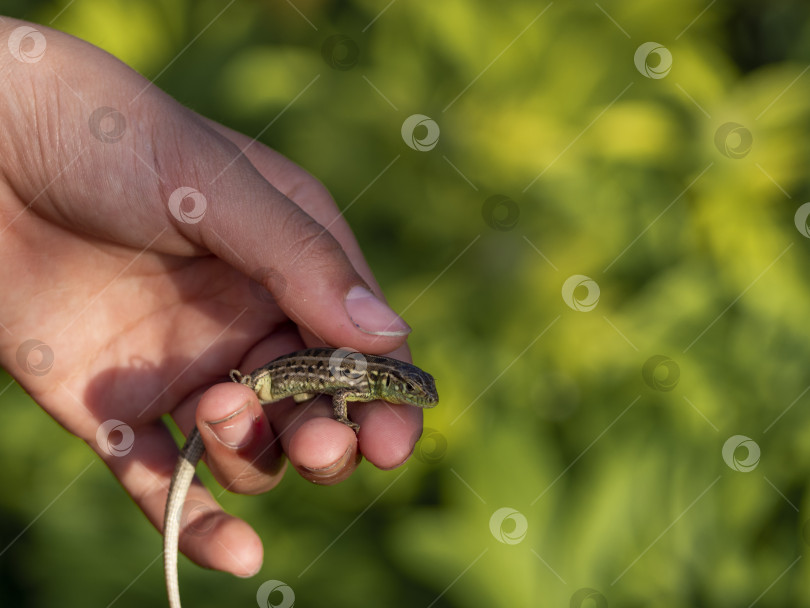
181	481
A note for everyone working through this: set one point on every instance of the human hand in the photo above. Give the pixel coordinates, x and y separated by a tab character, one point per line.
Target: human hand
127	297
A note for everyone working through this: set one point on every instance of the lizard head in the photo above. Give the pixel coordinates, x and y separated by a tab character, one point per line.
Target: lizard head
410	385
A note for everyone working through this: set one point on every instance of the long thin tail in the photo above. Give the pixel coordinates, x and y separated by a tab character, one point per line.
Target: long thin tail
181	482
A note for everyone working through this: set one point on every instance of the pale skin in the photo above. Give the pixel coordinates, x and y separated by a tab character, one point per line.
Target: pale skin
145	314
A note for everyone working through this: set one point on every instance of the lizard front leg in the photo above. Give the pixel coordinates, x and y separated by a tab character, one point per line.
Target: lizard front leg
340	409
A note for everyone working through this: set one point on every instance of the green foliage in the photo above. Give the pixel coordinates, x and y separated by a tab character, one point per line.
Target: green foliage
544	409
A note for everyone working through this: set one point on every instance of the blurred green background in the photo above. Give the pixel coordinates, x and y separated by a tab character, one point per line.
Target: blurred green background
601	431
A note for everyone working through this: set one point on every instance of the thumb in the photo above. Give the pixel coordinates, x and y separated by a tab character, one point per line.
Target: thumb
131	165
243	219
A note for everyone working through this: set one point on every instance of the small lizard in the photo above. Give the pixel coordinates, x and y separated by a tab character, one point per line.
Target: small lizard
343	373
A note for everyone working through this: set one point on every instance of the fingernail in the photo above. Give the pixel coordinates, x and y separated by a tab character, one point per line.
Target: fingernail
235	430
330	470
251	573
372	316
